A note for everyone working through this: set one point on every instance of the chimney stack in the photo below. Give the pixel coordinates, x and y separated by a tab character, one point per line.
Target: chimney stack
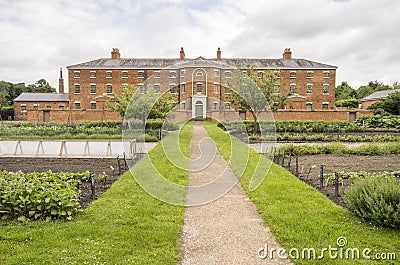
61	82
287	54
182	54
115	55
218	54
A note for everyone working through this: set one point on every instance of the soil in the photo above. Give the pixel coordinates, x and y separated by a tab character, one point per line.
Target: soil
334	164
93	165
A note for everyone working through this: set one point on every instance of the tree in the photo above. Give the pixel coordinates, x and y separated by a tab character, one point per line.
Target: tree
345	91
41	86
391	104
349	103
372	87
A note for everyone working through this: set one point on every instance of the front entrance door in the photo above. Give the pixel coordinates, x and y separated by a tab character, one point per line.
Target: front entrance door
46	115
198	112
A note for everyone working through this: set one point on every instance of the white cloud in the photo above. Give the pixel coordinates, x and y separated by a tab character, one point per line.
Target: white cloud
360	37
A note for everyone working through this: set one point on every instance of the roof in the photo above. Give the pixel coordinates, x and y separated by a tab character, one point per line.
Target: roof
42	97
380	94
159	63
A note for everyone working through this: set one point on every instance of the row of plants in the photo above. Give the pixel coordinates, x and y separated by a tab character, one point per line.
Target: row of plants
40	195
326	138
370	149
342	175
379	121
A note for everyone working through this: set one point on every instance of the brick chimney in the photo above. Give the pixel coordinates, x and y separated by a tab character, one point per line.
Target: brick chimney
182	54
60	82
219	54
115	54
287	54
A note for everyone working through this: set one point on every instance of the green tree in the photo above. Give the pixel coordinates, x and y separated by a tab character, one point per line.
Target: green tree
349	103
345	91
41	86
372	87
391	104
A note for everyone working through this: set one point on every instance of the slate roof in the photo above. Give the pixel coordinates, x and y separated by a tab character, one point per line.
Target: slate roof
159	63
42	97
380	94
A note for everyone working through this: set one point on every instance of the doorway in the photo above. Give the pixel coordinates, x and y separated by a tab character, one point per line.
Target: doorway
198	111
46	115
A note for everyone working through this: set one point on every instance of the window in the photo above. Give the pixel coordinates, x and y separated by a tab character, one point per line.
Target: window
215	103
92	88
275	105
309	88
183	88
244	74
277	74
292	74
92	104
140	74
292	88
199	73
325	88
48	107
183	105
156	74
227	74
61	107
227	89
124	74
23	107
326	74
108	74
172	74
125	86
310	74
156	88
276	89
109	89
92	74
77	74
172	88
215	72
215	88
77	89
199	88
77	105
227	105
183	73
141	88
325	105
35	106
309	105
260	74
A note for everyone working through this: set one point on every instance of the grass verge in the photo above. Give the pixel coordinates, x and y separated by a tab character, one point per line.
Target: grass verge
124	226
302	218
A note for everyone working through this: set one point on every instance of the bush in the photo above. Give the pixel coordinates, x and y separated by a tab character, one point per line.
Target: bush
7	111
350	103
377	200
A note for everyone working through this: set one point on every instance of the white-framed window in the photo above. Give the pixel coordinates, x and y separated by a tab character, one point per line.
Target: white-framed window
326	74
227	89
109	74
61	107
141	88
215	72
309	88
23	107
309	105
172	88
77	88
92	88
77	105
292	88
35	106
325	88
172	74
183	105
92	74
199	88
156	74
292	74
228	74
215	104
125	86
276	89
92	104
48	107
325	105
124	74
77	74
215	88
227	105
277	74
156	88
199	74
310	74
275	105
183	86
183	73
140	74
109	89
244	74
260	74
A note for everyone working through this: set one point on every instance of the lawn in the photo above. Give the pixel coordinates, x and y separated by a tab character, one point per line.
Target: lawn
124	226
300	216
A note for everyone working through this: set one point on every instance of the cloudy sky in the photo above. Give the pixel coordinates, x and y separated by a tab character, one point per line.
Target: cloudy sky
361	37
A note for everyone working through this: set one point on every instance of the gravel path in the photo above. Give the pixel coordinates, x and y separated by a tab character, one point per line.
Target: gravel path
227	230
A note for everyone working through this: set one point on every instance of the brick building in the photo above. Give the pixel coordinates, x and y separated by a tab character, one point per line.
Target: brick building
202	86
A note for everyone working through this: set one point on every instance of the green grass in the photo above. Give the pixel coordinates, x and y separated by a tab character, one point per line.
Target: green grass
301	217
124	226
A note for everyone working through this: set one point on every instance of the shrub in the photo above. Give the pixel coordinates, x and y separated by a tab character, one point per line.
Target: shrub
377	200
